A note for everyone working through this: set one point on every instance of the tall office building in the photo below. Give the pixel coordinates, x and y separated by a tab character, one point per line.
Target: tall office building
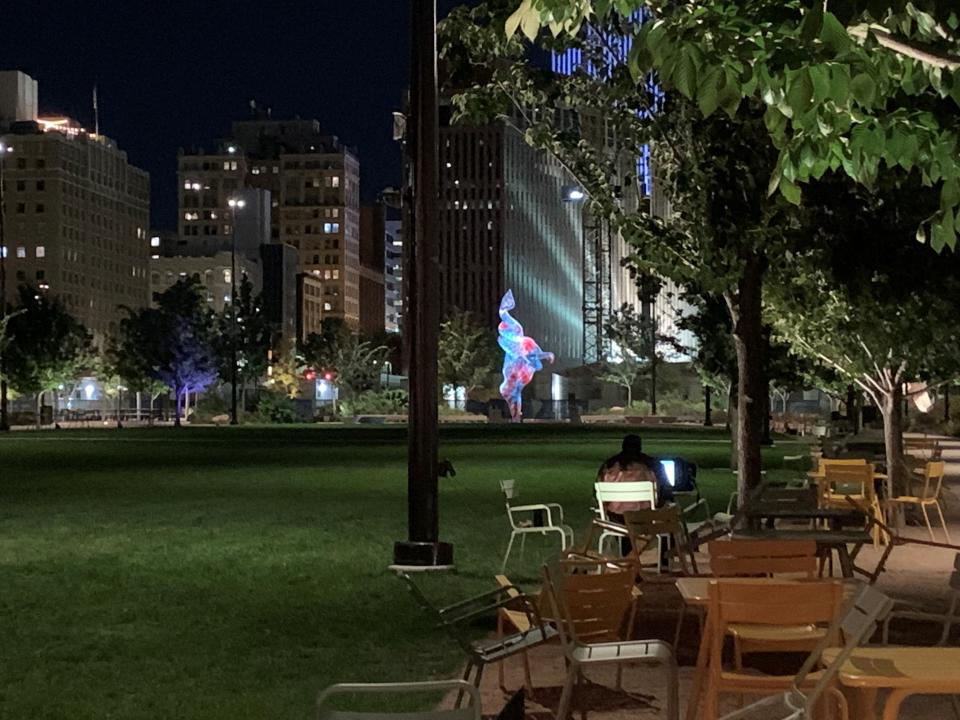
505	224
77	213
314	184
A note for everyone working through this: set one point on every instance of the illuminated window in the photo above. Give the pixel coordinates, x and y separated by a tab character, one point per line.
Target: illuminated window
331	227
336	274
41	251
21	252
226	276
326	275
154	242
255	171
327	306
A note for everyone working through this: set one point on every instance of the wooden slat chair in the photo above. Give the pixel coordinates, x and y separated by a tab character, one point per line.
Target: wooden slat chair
766	558
594	608
645	526
773	605
855	481
929	496
642	491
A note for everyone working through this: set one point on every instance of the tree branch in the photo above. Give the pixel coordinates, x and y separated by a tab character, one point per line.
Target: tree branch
933	58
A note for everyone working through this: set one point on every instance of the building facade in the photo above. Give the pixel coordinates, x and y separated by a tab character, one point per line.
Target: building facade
372	243
76	219
279	262
313	183
505	224
214	273
311	306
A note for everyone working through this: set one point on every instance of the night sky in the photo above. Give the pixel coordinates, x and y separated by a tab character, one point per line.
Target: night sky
175	73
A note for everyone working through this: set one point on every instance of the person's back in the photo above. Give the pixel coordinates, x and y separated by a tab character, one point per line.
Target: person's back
631	464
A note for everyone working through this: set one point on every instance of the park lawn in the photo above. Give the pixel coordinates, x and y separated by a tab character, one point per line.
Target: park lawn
232	572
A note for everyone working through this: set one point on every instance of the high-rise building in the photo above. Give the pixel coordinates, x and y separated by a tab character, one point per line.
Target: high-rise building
77	215
372	242
505	224
393	275
314	184
18	97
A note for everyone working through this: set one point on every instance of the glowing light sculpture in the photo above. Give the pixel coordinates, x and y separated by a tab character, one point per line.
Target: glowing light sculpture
522	357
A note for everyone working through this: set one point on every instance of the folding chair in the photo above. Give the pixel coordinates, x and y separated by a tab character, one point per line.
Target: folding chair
858	622
481	653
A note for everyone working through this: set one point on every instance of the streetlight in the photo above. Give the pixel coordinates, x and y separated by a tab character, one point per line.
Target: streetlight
4	423
236	204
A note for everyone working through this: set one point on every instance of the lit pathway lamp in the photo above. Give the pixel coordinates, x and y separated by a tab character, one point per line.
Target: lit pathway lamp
4	421
422	549
236	205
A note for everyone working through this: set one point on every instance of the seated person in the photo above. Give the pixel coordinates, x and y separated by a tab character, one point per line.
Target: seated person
631	464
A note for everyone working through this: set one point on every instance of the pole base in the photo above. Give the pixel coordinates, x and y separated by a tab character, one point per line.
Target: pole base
426	555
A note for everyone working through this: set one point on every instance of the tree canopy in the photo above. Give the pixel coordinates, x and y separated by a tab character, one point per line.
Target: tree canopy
856	86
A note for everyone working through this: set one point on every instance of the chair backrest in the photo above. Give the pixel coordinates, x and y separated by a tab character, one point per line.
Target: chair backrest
851	479
745	558
590	600
510	490
933	473
840	462
767	602
643	491
326	711
656	521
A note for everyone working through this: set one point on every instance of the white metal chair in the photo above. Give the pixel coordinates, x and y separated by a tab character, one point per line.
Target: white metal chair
642	491
913	612
523	519
857	623
326	711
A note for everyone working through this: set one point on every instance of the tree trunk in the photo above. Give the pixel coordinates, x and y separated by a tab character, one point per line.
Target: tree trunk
767	439
707	410
139	405
745	310
629	396
653	386
176	413
732	423
892	409
39	407
946	403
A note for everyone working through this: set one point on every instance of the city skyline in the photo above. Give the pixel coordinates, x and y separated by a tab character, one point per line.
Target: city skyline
201	65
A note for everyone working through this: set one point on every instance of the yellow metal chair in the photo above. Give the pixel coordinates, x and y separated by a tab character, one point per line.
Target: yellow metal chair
929	496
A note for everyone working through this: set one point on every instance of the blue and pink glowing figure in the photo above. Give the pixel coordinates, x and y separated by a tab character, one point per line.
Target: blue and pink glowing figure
522	357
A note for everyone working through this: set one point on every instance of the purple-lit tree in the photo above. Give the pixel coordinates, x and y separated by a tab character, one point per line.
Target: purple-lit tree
174	341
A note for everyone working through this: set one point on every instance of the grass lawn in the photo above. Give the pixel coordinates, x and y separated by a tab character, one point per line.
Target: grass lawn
232	572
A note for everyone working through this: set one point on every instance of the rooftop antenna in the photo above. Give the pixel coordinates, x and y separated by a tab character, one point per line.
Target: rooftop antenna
96	113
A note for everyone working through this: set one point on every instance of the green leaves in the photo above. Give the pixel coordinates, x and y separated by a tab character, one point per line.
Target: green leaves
864	89
687	71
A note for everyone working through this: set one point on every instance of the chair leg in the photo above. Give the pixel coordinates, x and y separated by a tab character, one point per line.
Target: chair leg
563	540
673	690
891	709
956	706
503	566
563	711
527	676
501	673
676	634
942	521
926	519
523	542
466	677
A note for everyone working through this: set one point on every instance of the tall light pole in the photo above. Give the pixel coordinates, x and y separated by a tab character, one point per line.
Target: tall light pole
4	418
423	548
236	205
